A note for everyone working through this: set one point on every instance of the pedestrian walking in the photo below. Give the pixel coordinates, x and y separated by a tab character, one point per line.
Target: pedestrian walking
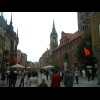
83	73
55	79
22	79
50	73
62	75
43	84
47	73
15	77
33	81
41	71
7	74
19	74
68	79
88	74
73	74
3	77
11	75
93	73
28	76
77	76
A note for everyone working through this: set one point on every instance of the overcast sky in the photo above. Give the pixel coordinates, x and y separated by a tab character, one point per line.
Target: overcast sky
34	29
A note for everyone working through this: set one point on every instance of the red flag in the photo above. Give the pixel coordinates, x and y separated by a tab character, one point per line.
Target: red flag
86	51
15	58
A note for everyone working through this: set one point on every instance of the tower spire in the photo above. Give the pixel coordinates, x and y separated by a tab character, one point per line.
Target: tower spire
53	28
11	20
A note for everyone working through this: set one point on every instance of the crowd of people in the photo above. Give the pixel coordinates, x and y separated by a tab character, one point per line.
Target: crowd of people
56	77
12	75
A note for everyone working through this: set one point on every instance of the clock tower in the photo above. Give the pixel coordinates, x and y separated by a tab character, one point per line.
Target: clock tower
53	39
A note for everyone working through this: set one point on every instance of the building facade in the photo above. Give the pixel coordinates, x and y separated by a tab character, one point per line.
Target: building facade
95	32
2	44
30	64
36	65
18	56
84	21
21	58
3	28
14	41
9	40
68	43
45	59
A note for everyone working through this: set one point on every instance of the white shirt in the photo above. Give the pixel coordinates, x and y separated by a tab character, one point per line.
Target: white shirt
60	73
19	72
15	72
8	72
76	73
33	82
83	71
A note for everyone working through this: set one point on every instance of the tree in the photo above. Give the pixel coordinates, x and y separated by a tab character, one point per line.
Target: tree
85	42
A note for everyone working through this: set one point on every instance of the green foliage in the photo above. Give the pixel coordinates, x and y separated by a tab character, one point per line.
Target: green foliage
85	42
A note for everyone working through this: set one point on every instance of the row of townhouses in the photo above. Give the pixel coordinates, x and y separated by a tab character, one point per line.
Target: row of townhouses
9	40
22	59
8	43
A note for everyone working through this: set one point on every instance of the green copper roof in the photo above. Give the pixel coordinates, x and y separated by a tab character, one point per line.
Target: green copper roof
53	29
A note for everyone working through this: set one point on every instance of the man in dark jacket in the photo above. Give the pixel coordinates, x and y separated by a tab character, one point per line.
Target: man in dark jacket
68	79
12	78
15	78
47	73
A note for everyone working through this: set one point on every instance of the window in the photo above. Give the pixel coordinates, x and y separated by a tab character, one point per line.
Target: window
62	42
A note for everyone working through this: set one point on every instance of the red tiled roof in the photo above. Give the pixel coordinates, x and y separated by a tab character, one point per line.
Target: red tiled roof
70	36
74	36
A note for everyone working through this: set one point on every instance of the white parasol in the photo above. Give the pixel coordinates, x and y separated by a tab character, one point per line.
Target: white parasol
18	66
28	67
48	67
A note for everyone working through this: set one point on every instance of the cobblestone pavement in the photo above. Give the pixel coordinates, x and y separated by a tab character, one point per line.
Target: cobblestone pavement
83	82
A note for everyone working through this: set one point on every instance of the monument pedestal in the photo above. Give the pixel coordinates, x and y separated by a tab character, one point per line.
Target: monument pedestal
66	65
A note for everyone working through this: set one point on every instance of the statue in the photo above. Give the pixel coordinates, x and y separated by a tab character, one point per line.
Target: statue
66	56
